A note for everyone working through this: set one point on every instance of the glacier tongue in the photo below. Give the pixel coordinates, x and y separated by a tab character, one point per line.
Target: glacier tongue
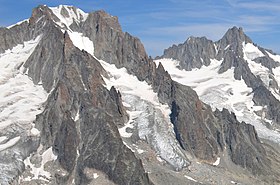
149	117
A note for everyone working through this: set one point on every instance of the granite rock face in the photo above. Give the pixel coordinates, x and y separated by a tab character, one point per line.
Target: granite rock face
195	125
206	134
243	143
80	120
37	24
194	53
116	47
264	97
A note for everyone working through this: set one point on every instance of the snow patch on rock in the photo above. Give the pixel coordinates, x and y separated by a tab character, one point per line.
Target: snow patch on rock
251	52
68	14
18	23
190	178
40	173
82	42
217	162
274	57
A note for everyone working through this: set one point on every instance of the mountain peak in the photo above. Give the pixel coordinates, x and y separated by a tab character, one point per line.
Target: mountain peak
234	35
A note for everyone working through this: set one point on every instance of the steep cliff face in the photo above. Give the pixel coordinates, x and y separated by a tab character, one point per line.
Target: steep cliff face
207	135
116	47
80	118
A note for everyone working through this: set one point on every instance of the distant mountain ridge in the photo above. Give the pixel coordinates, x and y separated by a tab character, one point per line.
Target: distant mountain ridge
252	64
114	116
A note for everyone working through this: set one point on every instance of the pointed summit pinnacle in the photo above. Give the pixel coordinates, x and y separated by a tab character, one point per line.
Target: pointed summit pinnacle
234	36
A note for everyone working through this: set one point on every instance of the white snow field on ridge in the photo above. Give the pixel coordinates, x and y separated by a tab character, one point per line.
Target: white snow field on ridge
222	91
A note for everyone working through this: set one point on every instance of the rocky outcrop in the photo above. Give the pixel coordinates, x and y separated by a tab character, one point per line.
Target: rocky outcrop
196	128
114	46
267	62
232	41
243	144
263	97
194	53
37	24
206	134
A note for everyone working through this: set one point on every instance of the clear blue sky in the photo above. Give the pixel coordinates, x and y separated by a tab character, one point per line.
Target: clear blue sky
159	24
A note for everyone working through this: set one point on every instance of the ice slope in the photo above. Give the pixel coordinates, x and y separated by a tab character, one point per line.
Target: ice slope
250	53
275	73
147	115
223	91
274	57
20	99
82	42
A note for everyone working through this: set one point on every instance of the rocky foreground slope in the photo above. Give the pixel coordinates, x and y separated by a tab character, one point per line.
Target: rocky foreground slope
111	115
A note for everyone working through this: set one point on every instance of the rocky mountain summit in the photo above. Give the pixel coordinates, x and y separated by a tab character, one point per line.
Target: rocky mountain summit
103	112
